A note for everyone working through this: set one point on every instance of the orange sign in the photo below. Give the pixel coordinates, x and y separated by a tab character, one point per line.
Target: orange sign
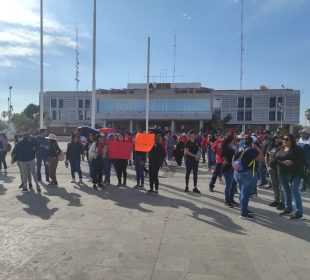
119	150
144	142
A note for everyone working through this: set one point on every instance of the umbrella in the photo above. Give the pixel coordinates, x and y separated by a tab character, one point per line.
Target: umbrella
85	130
158	131
106	130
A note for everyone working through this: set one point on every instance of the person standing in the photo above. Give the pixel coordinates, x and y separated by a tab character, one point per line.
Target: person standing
42	154
74	152
25	154
95	154
169	147
155	160
262	169
139	161
192	155
290	161
270	158
227	155
246	164
53	153
3	150
121	166
89	142
218	162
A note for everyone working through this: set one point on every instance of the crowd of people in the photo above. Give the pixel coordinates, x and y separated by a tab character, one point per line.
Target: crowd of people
244	160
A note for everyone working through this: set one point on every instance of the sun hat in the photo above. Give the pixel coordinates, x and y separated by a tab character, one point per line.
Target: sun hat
51	137
305	130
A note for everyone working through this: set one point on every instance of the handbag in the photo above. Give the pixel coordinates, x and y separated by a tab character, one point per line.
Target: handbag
61	156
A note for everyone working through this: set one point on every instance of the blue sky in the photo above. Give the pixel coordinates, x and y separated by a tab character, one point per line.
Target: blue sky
276	42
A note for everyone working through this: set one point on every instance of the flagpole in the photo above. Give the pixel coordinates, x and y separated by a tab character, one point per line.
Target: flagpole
148	86
41	66
93	97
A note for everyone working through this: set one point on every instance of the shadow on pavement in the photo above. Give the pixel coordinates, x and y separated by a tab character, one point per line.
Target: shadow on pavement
37	205
2	190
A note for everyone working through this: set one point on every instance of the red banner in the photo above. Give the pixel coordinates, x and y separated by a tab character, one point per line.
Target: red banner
119	150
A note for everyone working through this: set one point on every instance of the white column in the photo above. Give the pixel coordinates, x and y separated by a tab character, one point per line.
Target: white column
267	126
104	123
243	127
131	126
200	124
172	125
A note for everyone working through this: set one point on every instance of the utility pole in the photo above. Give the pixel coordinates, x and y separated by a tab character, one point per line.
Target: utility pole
241	48
148	86
93	96
77	62
41	66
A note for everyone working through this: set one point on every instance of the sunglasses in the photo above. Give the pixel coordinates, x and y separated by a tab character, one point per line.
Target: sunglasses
286	139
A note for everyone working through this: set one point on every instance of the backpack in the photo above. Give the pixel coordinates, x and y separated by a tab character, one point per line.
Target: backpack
237	163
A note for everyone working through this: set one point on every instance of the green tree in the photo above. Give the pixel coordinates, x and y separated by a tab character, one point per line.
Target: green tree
4	115
22	123
307	114
216	124
31	110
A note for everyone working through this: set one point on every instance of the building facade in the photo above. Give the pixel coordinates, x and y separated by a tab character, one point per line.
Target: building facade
175	106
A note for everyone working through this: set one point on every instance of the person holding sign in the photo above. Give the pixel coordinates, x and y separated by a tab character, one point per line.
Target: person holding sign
156	156
192	155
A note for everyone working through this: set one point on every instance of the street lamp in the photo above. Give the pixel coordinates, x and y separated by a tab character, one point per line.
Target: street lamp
280	107
10	109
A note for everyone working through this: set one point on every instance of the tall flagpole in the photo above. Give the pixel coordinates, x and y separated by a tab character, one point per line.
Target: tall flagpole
148	86
41	66
93	97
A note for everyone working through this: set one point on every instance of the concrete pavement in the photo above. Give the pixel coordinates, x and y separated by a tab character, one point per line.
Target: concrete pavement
75	232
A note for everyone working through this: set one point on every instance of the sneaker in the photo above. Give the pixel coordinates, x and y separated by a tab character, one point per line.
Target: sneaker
186	189
136	187
95	187
25	190
119	185
250	212
141	188
229	204
297	216
246	217
195	190
235	203
101	185
285	212
262	184
156	191
73	180
274	204
80	180
38	189
281	206
150	191
124	185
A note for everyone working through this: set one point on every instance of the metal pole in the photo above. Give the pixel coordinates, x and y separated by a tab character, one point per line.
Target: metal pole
41	66
148	86
10	103
93	96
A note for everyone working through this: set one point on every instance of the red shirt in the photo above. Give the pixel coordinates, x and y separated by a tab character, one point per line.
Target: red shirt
204	142
217	147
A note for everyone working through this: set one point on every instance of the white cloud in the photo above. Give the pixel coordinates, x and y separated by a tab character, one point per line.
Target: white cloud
269	7
20	32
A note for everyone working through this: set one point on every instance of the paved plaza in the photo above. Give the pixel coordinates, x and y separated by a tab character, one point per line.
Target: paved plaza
75	232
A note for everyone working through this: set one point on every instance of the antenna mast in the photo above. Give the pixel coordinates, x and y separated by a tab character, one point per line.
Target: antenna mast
241	48
174	55
77	62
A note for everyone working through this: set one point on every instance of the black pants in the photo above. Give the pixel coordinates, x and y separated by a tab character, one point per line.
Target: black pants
217	172
154	169
98	170
2	159
121	169
191	164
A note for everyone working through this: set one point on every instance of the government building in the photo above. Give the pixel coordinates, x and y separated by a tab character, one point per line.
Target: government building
172	105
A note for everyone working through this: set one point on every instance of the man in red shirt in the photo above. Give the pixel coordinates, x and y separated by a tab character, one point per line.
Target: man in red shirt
218	161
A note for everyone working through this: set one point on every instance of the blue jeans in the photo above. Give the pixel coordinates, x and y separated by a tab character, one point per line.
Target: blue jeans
211	158
290	185
75	164
247	183
107	169
91	169
42	158
139	169
229	189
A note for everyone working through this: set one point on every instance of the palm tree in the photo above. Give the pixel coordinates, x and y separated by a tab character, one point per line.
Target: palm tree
307	114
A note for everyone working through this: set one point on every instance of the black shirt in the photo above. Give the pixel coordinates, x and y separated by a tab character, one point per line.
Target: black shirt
228	154
157	154
247	156
296	156
193	147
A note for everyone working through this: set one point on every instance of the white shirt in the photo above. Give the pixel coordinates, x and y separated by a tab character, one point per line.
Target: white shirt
301	140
